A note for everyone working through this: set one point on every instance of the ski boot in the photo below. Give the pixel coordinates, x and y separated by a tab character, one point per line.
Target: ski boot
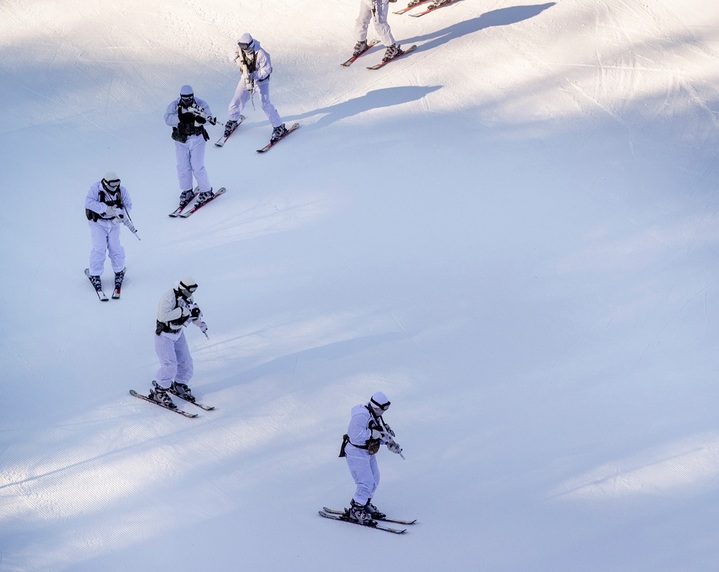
358	513
119	277
186	198
230	127
160	395
278	132
373	511
203	197
392	52
182	390
359	48
96	282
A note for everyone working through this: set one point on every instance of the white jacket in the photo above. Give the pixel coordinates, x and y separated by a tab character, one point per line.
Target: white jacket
263	64
95	196
172	308
358	430
171	117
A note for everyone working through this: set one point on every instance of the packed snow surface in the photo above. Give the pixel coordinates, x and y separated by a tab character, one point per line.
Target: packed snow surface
511	231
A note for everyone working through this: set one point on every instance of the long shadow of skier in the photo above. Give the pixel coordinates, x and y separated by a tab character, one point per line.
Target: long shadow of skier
500	17
385	97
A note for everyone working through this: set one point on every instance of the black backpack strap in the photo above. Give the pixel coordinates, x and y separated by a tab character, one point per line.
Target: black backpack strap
345	440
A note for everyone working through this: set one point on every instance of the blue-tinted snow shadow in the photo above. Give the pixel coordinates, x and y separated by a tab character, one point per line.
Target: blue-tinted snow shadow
493	18
287	364
371	101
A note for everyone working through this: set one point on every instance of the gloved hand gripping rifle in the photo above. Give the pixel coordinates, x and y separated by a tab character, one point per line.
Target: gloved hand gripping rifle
195	110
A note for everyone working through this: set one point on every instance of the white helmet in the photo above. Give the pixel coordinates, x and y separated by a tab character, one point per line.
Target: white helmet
379	403
246	42
187	96
111	181
187	286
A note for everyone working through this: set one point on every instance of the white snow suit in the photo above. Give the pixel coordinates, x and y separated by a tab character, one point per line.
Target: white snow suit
361	463
173	313
379	9
256	69
190	154
105	228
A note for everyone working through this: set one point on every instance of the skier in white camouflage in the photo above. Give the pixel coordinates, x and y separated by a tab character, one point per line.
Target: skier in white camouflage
190	136
175	310
256	67
377	10
367	431
106	205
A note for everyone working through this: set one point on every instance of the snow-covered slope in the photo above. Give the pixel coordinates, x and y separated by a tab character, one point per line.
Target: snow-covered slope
512	232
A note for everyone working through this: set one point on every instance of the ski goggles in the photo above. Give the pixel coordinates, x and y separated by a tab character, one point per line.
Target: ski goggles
245	47
112	185
382	406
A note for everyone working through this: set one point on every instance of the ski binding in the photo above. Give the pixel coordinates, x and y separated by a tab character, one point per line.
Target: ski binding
370	524
175	409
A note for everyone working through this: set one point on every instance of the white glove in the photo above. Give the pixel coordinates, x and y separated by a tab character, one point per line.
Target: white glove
249	83
377	434
116	212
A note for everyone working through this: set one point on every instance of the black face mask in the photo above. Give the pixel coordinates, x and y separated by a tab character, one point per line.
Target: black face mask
187	100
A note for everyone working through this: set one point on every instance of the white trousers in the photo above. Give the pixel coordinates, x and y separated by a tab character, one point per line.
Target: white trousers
190	157
365	472
380	21
242	96
105	237
175	359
